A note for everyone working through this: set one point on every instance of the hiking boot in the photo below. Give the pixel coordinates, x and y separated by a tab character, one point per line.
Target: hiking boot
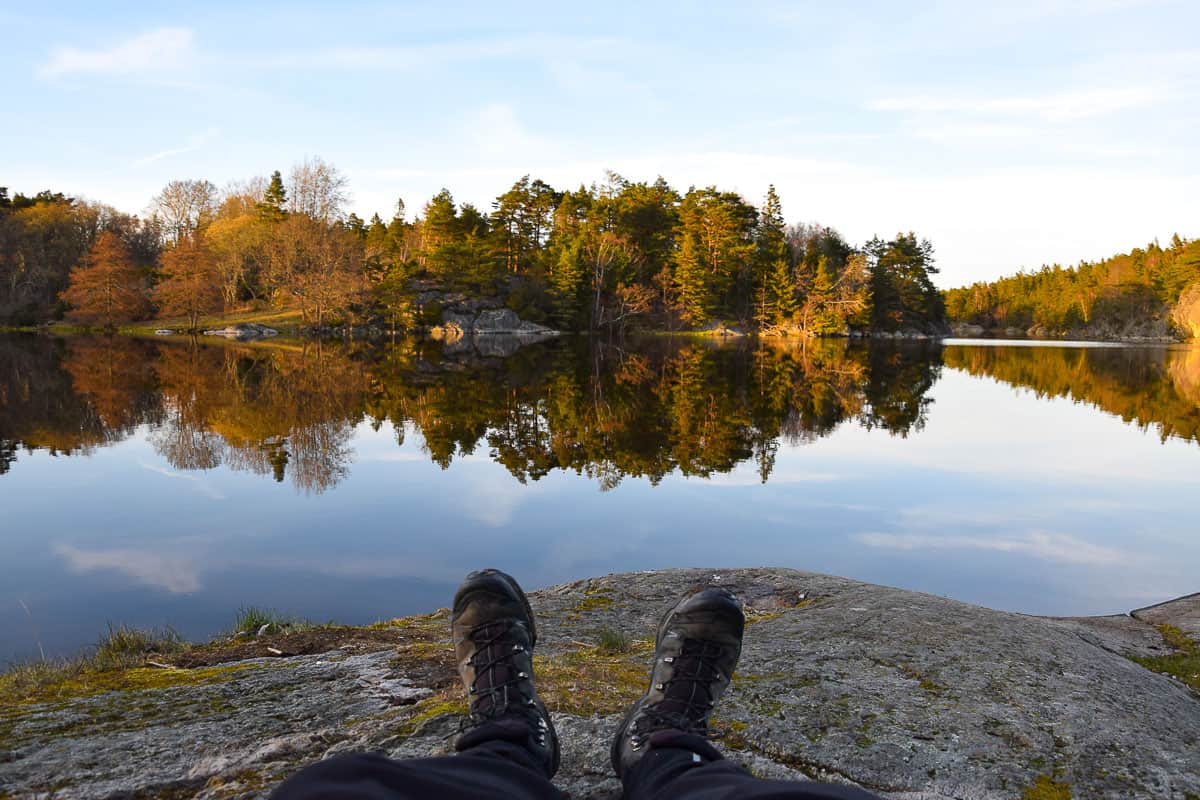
494	635
699	642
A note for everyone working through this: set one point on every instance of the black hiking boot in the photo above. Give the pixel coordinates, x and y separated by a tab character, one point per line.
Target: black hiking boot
699	642
494	635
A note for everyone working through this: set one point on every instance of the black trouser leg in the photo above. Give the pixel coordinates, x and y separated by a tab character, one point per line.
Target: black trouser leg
687	767
495	769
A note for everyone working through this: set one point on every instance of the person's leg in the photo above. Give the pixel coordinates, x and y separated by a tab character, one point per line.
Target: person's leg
661	749
509	750
687	767
493	769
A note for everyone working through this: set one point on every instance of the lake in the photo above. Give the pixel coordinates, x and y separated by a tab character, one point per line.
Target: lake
165	482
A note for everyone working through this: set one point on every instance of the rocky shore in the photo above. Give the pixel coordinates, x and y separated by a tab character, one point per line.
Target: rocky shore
912	696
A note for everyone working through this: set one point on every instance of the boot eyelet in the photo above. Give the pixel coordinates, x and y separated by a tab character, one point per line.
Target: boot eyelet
659	686
522	675
669	659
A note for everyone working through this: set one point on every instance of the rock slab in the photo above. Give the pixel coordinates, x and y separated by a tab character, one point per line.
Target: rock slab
912	696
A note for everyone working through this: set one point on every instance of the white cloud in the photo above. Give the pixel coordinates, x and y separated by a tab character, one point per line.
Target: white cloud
1058	547
1055	107
156	50
173	573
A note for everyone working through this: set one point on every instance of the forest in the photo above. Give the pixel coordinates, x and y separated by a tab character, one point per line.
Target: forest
1106	297
617	254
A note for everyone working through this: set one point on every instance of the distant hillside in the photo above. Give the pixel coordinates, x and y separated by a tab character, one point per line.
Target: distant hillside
1151	293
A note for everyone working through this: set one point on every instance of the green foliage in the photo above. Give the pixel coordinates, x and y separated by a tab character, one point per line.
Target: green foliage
274	199
1126	288
903	294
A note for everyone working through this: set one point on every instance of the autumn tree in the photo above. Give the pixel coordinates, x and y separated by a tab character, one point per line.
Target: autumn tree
190	285
326	275
106	288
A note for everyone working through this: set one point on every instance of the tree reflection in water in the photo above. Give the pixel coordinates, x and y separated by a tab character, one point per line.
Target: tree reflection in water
642	409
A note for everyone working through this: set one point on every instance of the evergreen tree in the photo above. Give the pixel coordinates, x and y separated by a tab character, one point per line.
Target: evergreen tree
774	284
274	199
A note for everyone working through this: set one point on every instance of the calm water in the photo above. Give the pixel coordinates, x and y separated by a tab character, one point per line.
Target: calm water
161	482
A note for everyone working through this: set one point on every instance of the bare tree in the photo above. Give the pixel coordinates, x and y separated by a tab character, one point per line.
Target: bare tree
317	190
183	206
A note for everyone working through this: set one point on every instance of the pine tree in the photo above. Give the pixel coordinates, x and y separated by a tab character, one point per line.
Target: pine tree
774	282
274	199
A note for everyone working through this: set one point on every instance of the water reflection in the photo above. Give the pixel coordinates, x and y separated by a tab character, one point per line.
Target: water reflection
1152	387
445	459
602	410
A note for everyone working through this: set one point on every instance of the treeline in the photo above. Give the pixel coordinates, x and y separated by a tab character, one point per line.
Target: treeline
1111	294
613	254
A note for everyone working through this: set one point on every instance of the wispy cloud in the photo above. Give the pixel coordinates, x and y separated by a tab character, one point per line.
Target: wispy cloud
156	50
173	573
1057	106
202	485
1058	547
194	143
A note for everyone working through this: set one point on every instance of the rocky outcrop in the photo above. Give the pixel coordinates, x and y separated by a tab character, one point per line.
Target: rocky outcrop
464	317
244	331
1186	314
458	322
913	696
966	330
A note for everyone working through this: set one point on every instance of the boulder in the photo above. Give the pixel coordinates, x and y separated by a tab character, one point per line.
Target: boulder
491	322
967	330
244	331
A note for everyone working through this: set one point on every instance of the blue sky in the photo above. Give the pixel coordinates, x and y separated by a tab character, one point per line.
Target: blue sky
1011	134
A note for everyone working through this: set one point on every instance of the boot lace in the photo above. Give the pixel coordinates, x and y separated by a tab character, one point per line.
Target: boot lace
688	699
496	690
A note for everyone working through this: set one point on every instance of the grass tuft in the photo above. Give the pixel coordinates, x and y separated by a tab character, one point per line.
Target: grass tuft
251	620
124	646
612	641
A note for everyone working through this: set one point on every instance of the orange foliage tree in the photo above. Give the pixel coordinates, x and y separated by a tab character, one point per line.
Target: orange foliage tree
190	285
106	288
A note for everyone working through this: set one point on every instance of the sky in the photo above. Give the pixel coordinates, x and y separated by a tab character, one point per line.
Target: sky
1011	134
